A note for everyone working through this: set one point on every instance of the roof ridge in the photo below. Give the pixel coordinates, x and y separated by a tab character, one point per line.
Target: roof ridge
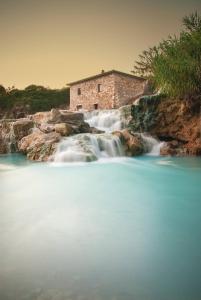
105	74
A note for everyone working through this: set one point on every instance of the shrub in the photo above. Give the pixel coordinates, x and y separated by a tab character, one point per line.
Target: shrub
174	66
35	98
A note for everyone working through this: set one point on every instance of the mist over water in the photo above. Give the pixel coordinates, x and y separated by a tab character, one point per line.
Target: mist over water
123	229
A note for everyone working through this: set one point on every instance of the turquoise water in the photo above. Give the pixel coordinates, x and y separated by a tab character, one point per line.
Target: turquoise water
124	229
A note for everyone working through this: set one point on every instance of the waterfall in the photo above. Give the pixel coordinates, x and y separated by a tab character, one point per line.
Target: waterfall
88	147
106	120
152	146
8	135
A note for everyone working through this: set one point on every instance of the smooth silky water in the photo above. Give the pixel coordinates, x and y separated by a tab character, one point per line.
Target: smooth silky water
115	229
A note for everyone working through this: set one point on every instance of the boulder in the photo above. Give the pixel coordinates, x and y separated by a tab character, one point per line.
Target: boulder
168	150
39	146
175	148
46	128
54	116
194	148
67	116
41	117
3	146
22	128
83	127
64	129
7	137
59	116
95	130
169	120
132	142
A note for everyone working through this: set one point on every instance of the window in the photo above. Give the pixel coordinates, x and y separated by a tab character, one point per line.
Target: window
79	107
99	88
79	91
96	106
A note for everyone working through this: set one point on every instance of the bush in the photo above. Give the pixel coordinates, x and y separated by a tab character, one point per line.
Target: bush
2	90
174	66
34	98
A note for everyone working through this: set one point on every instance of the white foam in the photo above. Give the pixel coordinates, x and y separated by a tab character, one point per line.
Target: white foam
88	147
106	120
151	145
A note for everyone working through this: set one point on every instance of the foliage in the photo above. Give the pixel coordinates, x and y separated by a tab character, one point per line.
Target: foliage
174	66
34	98
2	90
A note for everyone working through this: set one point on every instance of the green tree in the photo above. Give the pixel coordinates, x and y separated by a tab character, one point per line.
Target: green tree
174	66
2	90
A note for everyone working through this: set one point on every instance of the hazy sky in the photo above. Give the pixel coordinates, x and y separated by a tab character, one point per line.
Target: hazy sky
52	42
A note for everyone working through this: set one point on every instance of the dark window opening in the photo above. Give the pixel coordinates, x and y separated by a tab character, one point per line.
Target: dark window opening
79	107
96	106
99	88
79	91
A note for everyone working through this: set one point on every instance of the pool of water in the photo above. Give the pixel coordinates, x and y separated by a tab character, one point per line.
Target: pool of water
116	229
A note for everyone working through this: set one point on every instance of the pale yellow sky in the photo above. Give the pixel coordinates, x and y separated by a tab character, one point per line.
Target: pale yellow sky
53	42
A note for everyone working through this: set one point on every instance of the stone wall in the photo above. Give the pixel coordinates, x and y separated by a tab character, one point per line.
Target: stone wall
90	96
127	88
115	90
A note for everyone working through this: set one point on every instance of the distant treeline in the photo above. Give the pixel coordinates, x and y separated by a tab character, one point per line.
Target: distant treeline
174	66
32	99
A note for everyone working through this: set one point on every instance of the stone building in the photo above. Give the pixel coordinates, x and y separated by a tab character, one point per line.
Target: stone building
106	90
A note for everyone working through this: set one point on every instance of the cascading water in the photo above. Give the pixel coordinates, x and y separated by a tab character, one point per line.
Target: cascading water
8	135
106	120
90	147
151	145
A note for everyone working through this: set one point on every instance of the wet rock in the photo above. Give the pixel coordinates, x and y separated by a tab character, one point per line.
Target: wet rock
41	117
22	128
176	148
39	146
64	129
84	127
169	120
50	121
56	116
125	113
7	137
46	128
133	144
94	130
3	146
168	150
67	116
59	116
11	131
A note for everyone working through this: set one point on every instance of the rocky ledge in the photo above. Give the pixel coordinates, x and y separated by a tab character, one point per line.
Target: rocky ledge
38	135
177	122
132	142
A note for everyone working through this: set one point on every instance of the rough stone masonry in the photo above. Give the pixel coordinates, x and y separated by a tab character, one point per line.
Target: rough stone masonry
106	90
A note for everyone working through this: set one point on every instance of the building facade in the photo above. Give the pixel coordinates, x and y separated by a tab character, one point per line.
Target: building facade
107	90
